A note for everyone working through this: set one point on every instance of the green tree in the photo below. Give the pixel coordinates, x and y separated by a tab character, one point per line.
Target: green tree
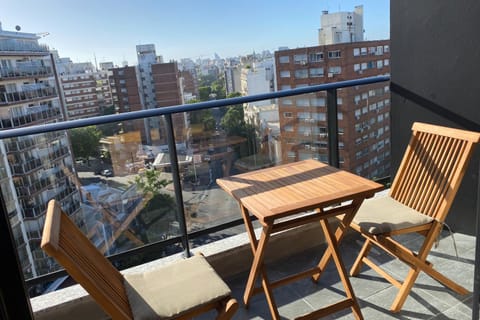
204	93
150	182
85	141
233	122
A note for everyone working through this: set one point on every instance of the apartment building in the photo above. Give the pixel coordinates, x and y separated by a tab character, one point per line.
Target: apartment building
86	90
152	84
169	92
126	97
34	168
363	111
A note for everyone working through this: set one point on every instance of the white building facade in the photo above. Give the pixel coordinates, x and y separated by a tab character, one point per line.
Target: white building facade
341	27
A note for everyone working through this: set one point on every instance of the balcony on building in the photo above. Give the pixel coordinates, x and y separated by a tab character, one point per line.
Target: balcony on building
434	83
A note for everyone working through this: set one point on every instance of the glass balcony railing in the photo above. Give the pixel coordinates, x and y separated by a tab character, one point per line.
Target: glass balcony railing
22	46
145	187
20	96
26	71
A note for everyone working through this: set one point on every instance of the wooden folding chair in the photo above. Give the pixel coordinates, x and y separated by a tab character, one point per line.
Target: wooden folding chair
419	200
180	290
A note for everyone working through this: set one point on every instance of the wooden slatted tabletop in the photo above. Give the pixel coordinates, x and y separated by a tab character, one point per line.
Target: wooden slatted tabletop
295	187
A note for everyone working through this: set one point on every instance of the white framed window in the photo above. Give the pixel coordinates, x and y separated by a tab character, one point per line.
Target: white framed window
300	58
285	74
316	72
356	67
334	54
317	102
335	70
303	102
284	59
301	73
356	52
315	57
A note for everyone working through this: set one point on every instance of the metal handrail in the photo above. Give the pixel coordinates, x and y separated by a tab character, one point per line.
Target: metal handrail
133	115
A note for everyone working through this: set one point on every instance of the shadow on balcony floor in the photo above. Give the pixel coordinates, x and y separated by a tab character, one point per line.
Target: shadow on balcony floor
428	299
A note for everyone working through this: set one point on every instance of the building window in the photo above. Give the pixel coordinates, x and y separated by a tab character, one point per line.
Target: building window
285	74
334	54
363	51
288	128
284	59
300	58
319	116
335	70
316	57
317	102
386	62
386	48
356	67
379	64
301	74
356	99
316	72
303	102
285	87
287	115
356	52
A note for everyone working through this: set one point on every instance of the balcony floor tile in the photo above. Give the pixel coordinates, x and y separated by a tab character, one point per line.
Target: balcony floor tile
428	299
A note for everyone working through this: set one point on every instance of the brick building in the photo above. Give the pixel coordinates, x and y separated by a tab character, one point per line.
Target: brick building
363	111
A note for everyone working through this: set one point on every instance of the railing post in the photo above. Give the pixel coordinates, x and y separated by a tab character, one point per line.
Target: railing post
332	128
172	150
14	300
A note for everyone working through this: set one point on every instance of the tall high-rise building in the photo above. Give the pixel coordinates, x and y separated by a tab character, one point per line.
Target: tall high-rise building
86	90
33	168
363	111
126	96
341	27
159	86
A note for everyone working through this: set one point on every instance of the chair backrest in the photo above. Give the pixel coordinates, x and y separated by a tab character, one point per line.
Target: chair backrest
432	168
65	242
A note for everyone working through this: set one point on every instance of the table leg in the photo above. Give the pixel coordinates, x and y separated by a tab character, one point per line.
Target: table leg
258	250
334	252
339	233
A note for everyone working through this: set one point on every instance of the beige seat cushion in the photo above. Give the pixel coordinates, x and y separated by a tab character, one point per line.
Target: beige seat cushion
384	214
174	289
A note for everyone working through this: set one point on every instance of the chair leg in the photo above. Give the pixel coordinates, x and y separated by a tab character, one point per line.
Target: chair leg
228	309
405	290
357	265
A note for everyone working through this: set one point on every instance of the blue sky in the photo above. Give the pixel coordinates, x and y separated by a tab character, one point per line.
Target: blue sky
109	30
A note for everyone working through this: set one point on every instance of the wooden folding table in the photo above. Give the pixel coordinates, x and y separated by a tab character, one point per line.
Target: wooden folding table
291	195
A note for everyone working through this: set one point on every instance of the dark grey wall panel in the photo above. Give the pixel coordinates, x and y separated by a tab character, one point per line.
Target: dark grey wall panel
435	75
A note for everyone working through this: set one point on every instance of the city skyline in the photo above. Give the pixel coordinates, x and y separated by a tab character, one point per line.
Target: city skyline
109	31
